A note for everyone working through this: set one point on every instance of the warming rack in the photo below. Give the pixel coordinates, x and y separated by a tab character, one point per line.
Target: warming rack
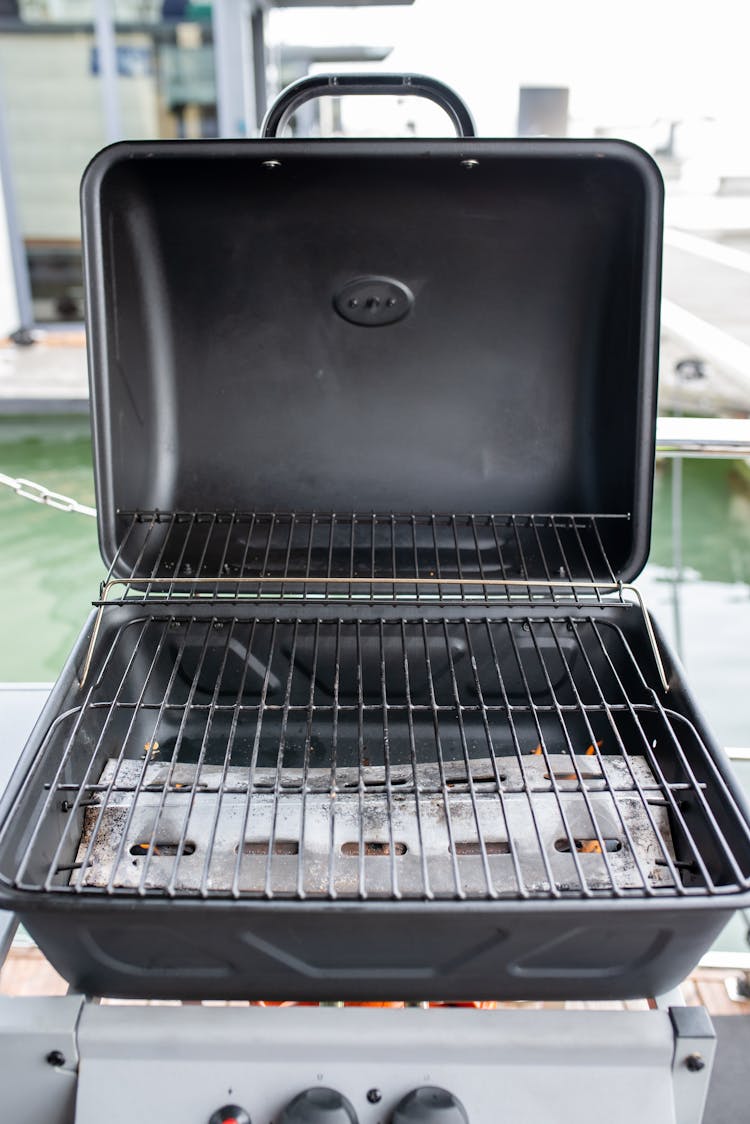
324	555
165	557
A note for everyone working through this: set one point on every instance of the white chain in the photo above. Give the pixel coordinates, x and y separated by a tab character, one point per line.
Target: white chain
37	493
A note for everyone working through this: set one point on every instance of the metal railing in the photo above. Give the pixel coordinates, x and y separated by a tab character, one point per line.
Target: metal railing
703	437
681	437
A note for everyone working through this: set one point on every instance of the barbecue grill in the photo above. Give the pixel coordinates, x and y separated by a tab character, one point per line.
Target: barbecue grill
352	719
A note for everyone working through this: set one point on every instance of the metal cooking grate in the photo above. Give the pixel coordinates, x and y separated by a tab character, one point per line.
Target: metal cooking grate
389	757
163	555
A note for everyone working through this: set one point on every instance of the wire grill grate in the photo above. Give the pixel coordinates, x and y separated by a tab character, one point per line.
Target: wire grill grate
458	756
364	556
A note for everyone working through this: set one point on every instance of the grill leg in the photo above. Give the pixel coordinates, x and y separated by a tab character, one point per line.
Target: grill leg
8	926
694	1049
39	1058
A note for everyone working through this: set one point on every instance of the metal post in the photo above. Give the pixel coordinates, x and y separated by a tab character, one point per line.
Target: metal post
233	58
259	63
8	926
673	998
677	553
19	262
694	1051
106	49
39	1058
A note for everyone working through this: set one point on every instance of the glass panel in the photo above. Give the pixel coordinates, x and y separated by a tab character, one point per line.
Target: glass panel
54	124
53	106
165	70
697	582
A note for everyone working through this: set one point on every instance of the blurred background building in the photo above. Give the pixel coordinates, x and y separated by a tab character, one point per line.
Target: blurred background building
77	74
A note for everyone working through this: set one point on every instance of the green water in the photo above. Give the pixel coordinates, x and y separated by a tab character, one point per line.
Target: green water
49	560
715	519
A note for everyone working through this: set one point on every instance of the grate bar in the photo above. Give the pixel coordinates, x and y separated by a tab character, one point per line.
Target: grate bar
414	766
254	762
332	892
223	787
387	762
306	762
278	773
441	765
467	760
498	781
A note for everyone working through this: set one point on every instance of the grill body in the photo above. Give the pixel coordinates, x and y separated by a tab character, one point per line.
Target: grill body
591	930
407	752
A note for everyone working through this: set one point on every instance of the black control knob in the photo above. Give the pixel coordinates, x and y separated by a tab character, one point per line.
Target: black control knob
319	1106
429	1105
230	1114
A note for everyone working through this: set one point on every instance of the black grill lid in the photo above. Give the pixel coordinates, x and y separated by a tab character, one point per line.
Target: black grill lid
410	326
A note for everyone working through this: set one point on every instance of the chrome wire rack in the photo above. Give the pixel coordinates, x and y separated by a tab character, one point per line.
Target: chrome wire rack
455	756
166	557
230	554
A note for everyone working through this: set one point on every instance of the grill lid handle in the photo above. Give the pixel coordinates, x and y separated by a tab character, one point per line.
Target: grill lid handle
338	85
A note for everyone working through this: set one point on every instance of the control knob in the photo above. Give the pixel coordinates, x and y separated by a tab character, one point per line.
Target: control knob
429	1105
319	1105
229	1114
